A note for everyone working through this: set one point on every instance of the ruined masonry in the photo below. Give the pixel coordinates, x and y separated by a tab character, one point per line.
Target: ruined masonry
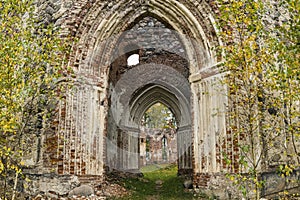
98	126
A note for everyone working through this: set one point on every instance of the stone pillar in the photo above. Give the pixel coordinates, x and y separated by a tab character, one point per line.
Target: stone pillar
80	135
123	151
133	150
209	106
184	150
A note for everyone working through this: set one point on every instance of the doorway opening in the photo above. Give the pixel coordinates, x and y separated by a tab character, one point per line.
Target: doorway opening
145	73
158	139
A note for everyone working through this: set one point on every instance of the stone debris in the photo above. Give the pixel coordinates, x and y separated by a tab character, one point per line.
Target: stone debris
86	192
188	184
114	190
83	190
143	180
158	184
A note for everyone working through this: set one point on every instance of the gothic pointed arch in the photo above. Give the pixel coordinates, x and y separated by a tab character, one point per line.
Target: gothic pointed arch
98	33
91	111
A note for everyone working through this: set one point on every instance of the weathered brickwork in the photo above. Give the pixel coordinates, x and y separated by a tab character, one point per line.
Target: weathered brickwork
168	87
158	146
97	128
98	124
154	43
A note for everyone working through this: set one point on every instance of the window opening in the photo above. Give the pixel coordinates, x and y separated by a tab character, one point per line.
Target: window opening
134	59
164	148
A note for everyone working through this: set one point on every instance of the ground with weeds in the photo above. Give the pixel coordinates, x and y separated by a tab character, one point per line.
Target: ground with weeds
160	182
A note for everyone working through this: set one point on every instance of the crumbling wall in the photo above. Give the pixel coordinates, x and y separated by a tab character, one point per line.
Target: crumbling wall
155	152
104	32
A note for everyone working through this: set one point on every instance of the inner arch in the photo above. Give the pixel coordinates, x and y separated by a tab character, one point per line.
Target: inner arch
158	139
150	95
161	76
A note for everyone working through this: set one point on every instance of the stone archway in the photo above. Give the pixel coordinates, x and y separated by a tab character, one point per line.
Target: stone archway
77	145
98	117
131	98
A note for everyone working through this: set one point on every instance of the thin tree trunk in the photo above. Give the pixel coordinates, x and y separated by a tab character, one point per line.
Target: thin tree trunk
15	187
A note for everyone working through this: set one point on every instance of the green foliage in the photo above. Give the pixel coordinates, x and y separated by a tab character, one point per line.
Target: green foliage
145	188
31	60
261	58
159	116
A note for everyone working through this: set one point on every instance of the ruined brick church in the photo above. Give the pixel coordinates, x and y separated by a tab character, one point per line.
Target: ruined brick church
98	128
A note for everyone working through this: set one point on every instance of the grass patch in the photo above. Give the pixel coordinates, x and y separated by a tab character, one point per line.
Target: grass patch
146	188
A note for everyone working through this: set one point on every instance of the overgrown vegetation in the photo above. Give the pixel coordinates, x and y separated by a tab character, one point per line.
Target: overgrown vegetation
146	187
261	59
159	116
31	62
